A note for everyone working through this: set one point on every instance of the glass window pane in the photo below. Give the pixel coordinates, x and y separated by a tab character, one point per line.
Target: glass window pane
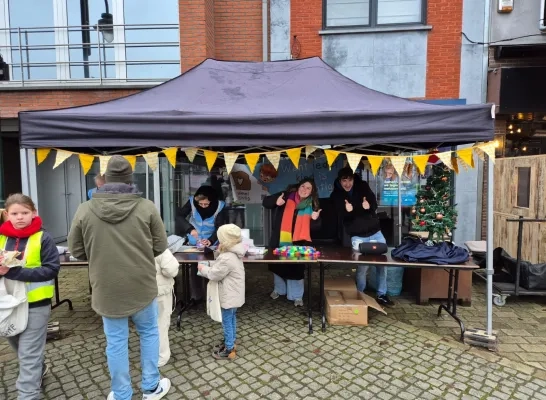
347	12
84	60
524	187
398	11
151	43
36	57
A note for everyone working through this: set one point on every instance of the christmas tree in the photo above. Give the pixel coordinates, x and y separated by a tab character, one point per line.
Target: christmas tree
433	212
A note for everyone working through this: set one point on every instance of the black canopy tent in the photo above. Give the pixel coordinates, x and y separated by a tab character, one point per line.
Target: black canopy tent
279	104
286	103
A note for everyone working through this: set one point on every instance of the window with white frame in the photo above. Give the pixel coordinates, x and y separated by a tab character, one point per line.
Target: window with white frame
371	13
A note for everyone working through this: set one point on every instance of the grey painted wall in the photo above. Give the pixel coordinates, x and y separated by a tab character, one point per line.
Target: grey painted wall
393	62
523	20
472	88
280	29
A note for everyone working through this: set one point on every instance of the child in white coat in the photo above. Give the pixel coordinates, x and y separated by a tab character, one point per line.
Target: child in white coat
166	266
228	270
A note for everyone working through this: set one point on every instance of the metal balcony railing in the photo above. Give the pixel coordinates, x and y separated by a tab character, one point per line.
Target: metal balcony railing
81	54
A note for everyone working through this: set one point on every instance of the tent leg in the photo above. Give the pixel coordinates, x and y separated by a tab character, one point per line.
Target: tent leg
25	187
489	269
400	209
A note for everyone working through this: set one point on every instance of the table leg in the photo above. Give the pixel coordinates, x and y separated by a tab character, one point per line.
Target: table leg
309	308
184	300
58	300
451	306
321	286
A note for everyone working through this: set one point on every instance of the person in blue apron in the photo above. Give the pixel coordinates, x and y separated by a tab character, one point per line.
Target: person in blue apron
99	181
199	221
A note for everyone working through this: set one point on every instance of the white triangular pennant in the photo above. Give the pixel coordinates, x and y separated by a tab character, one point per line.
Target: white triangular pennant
274	158
152	160
230	159
60	157
398	163
103	162
445	157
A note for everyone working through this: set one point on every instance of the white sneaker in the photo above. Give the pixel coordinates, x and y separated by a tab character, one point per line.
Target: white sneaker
274	295
111	396
298	303
161	391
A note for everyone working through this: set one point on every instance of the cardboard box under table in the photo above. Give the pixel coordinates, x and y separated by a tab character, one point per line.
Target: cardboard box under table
345	305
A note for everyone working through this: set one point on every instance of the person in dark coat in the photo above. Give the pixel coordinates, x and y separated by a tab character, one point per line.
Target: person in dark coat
199	221
296	214
355	205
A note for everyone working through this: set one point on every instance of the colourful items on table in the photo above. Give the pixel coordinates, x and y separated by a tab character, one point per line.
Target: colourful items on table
296	251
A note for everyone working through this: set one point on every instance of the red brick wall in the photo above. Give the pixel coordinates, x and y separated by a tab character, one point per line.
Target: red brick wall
209	18
192	15
13	102
444	48
238	30
305	23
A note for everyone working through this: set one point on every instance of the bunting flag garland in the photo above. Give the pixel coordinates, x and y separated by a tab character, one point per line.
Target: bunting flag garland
62	156
294	156
191	152
152	159
274	158
375	163
132	161
445	158
309	150
251	160
452	160
331	156
86	162
171	155
103	163
467	155
455	164
41	155
353	160
229	159
210	158
421	163
489	149
398	164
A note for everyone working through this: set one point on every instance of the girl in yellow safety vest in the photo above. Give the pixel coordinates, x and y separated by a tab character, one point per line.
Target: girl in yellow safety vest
39	257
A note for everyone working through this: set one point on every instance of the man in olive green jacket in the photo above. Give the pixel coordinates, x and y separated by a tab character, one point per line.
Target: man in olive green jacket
120	234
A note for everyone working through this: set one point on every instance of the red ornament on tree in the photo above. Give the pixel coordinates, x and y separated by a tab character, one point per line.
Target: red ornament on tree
427	187
422	223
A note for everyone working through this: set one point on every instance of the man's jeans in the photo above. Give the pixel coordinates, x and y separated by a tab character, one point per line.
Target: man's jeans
362	270
229	324
293	289
117	351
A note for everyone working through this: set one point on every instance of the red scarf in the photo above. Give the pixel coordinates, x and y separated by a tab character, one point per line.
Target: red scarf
7	229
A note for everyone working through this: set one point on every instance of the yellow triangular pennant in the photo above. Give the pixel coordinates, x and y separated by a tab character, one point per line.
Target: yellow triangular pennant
489	149
132	161
445	157
467	155
294	156
353	160
251	160
171	155
152	160
191	152
41	155
103	163
421	162
86	162
230	159
61	156
210	158
331	156
398	163
375	163
274	158
309	150
455	164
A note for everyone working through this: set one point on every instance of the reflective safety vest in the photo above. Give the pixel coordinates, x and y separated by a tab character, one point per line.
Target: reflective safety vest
204	227
36	291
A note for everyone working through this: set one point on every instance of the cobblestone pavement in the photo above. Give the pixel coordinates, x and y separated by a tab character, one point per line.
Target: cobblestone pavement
277	359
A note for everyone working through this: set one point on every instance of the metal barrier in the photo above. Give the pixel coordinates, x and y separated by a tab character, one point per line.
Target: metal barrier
126	56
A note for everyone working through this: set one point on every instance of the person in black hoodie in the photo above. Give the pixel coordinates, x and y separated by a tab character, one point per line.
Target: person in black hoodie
206	214
355	205
295	216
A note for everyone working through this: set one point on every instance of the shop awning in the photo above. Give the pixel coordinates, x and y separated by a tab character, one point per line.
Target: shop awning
282	103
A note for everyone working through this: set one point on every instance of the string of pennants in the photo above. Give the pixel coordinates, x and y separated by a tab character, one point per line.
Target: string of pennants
452	159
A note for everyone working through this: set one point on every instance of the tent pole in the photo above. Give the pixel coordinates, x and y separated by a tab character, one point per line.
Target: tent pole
25	187
489	249
399	209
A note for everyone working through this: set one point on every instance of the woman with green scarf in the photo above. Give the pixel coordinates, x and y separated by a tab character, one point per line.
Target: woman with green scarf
295	215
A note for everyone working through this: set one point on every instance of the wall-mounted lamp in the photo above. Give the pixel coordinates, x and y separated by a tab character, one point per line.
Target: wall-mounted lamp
105	24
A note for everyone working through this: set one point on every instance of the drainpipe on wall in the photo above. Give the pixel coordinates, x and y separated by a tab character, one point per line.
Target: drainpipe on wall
485	65
265	33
